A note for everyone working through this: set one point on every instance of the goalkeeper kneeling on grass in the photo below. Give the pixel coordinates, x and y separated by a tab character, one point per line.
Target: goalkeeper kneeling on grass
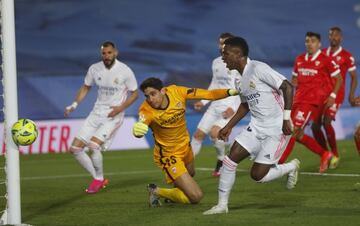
164	112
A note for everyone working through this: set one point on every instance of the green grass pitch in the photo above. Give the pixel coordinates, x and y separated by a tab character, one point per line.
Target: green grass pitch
52	193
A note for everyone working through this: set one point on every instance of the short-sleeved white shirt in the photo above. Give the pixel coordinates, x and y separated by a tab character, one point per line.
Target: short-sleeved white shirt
259	87
113	85
223	78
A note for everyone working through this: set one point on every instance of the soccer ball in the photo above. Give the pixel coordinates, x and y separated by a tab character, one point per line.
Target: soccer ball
24	132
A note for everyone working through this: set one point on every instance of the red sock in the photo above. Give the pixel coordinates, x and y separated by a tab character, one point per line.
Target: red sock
331	137
357	142
319	137
288	150
311	144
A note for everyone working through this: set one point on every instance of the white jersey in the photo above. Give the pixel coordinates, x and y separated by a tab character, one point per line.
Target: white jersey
259	87
223	78
113	85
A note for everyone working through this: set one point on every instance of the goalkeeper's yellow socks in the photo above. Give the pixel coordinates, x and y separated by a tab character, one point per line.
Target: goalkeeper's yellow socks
174	194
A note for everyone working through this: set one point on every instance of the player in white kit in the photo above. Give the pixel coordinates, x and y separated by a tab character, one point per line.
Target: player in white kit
267	95
219	112
114	80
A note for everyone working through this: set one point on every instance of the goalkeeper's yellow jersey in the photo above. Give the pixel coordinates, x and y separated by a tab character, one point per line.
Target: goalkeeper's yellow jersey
169	125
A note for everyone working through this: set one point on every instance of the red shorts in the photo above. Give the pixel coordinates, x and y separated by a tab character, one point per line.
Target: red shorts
301	114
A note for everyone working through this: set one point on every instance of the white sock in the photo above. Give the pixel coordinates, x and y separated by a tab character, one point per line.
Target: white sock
84	160
226	181
220	149
278	171
97	160
196	145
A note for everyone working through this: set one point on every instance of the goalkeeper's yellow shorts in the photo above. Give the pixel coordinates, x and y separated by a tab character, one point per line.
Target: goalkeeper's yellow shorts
173	160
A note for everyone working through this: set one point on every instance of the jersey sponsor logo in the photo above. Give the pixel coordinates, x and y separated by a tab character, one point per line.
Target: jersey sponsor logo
174	118
300	116
252	99
308	71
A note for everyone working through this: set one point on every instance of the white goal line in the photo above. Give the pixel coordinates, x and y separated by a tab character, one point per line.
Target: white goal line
157	171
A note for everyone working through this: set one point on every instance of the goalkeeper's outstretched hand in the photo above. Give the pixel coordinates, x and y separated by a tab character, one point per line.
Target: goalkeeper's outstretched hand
140	129
233	92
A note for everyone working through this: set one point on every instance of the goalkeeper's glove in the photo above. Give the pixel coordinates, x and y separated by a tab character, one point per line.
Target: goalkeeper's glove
232	92
140	129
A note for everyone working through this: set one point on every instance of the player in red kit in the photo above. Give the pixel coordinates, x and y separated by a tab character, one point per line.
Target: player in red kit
311	77
346	62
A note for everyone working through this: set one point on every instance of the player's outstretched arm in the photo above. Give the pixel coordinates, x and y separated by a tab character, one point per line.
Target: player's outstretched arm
83	91
215	94
287	90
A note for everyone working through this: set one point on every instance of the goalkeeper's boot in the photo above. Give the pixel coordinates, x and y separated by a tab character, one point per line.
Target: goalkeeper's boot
154	200
334	162
96	186
217	210
324	162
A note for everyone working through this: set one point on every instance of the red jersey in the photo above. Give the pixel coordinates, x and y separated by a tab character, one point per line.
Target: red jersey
313	75
346	62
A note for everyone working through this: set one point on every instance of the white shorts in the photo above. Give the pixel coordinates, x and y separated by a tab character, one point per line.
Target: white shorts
103	128
212	117
265	149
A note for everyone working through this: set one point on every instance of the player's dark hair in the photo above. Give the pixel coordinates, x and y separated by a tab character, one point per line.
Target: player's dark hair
238	42
226	35
107	44
338	29
151	82
313	34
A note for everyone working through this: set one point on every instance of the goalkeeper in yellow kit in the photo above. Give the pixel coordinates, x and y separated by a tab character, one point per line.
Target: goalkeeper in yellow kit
164	112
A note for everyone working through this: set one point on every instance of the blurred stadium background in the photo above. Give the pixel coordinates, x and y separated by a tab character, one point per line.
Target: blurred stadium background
175	40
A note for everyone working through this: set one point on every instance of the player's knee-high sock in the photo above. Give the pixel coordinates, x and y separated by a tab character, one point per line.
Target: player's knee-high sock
319	137
84	160
311	144
288	150
357	142
220	149
331	137
97	160
278	171
226	181
195	145
174	194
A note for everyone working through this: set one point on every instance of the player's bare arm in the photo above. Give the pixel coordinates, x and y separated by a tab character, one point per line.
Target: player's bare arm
83	91
131	99
353	87
287	90
240	113
331	99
